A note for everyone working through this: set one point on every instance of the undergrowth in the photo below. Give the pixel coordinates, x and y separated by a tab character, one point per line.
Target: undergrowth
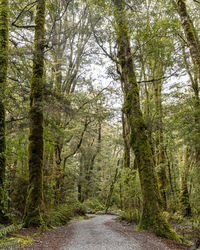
132	216
64	213
60	216
8	243
9	229
93	205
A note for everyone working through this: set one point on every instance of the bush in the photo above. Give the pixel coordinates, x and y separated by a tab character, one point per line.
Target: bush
64	213
79	209
130	216
93	205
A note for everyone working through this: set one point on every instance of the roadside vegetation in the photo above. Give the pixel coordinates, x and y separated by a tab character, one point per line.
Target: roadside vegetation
100	111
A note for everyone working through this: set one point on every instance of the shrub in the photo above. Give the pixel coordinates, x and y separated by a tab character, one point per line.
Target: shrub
64	213
93	205
130	216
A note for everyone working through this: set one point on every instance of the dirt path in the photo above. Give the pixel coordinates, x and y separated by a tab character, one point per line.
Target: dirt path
101	232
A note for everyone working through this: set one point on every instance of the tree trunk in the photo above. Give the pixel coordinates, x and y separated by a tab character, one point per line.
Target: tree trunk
151	218
184	194
108	200
126	133
90	165
4	9
193	44
33	216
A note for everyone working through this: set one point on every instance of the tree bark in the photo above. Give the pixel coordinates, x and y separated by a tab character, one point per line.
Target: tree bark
184	194
108	200
151	218
126	133
193	44
33	215
4	30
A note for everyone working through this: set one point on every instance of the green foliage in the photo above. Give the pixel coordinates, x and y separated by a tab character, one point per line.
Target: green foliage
9	229
79	159
8	243
94	205
130	216
176	217
64	213
79	209
23	240
15	241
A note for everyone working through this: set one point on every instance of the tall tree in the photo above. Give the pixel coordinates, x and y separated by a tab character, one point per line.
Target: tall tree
35	193
193	44
4	8
151	218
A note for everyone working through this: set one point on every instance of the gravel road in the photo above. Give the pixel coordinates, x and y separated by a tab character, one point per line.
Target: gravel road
94	234
100	232
97	234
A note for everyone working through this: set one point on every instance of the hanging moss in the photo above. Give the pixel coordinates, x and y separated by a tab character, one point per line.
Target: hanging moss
3	77
33	215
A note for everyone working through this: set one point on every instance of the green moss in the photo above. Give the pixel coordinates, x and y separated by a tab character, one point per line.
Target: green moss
22	240
33	214
4	4
151	218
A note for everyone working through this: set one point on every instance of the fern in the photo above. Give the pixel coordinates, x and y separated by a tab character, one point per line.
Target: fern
6	230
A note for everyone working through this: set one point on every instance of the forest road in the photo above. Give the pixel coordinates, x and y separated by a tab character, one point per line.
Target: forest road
103	232
95	234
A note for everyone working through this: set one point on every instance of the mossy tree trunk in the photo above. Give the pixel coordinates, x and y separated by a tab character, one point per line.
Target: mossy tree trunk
126	132
90	165
193	44
4	8
112	185
151	218
126	156
34	199
170	176
184	194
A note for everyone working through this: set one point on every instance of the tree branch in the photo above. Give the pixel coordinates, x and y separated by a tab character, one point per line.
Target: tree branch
159	79
103	49
19	15
80	142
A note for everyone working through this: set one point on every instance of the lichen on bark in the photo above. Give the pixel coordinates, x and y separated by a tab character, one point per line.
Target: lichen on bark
33	215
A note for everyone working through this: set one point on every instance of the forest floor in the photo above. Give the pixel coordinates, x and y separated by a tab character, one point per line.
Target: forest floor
99	232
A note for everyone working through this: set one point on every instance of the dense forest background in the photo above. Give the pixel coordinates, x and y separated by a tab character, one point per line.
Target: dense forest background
95	56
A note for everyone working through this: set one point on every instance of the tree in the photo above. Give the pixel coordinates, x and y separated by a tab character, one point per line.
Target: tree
193	44
33	216
151	218
4	9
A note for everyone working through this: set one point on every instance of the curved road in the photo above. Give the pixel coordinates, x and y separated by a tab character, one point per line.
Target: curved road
96	234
